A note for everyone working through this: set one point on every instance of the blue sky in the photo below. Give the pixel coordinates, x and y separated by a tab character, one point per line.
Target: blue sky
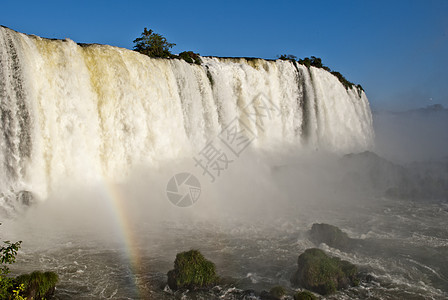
397	50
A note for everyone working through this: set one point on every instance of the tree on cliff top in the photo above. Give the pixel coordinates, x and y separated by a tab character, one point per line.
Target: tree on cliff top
153	44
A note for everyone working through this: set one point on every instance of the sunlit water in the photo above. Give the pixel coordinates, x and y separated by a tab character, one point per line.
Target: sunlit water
82	124
90	112
408	263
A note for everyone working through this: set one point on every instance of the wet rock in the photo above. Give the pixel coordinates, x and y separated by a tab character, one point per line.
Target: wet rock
192	271
323	274
366	277
275	293
25	198
38	285
278	292
330	235
305	295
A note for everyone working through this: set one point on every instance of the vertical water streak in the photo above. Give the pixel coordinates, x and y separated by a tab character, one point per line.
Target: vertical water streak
72	112
15	119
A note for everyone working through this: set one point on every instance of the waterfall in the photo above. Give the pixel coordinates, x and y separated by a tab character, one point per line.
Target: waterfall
85	111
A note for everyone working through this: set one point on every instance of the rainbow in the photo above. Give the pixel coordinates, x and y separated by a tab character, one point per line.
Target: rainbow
125	231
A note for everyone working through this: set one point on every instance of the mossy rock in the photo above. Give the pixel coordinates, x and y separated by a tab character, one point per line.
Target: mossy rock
192	271
330	235
191	57
278	292
323	274
275	293
304	295
38	285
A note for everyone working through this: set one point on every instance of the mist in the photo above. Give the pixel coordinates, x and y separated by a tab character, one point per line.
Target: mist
99	146
261	206
413	135
261	187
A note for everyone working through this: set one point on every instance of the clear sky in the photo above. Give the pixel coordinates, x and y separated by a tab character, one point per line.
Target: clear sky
397	50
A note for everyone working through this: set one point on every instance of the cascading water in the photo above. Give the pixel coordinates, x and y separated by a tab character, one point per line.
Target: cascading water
98	130
84	111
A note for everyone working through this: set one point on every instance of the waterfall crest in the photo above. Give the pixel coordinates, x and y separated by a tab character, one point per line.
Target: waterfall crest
70	110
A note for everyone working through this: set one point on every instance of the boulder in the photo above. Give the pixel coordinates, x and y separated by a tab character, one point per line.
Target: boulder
304	295
25	198
278	292
330	235
38	285
192	271
323	274
275	293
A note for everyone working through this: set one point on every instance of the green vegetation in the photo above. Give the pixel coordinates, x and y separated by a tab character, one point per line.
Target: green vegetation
210	77
360	89
330	235
8	287
304	295
192	271
317	63
313	62
323	274
351	273
38	285
190	57
347	83
278	292
287	57
153	44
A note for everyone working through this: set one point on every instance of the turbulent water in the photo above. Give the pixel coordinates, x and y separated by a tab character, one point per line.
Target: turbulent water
406	257
93	133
